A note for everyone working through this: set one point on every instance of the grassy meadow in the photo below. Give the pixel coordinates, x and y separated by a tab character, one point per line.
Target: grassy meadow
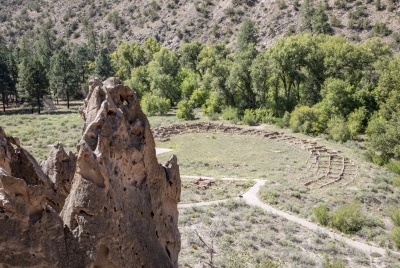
244	233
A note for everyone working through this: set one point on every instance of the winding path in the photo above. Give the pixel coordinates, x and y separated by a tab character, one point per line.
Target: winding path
250	197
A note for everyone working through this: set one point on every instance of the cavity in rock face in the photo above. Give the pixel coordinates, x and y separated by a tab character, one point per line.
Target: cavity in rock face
118	205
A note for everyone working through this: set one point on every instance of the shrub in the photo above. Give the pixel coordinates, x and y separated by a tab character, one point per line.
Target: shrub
355	122
395	235
394	214
284	121
231	113
212	105
393	166
198	97
348	218
308	120
264	115
371	156
335	263
321	214
154	105
249	117
396	182
338	129
185	111
380	29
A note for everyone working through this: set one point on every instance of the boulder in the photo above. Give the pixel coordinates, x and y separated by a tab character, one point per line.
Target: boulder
109	205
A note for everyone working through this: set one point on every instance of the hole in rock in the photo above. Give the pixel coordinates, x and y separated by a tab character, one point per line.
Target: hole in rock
152	214
115	209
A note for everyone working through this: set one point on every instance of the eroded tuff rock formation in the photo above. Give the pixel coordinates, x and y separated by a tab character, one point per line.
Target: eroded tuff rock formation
110	205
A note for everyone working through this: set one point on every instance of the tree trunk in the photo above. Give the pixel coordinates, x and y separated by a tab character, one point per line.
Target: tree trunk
38	103
4	106
67	98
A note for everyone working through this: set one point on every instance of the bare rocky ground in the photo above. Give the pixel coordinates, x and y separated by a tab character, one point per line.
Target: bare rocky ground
178	21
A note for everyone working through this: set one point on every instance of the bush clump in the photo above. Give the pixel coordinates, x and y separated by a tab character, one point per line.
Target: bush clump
338	129
348	218
308	120
185	111
230	113
321	214
154	105
249	117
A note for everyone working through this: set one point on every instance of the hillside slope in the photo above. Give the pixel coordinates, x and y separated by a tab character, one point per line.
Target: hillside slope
175	21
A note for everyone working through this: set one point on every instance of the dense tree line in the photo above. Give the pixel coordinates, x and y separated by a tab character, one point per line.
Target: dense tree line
316	84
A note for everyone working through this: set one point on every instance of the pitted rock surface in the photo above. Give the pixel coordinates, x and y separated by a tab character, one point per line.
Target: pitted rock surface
110	205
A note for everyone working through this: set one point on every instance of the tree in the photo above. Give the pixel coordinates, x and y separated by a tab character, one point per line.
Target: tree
62	78
5	78
33	82
126	57
190	56
239	81
248	34
81	60
319	21
163	71
103	66
307	11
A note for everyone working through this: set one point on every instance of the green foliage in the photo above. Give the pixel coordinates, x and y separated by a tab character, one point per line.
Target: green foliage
265	115
396	182
381	29
115	19
231	113
394	214
338	129
247	35
185	111
103	67
199	97
348	218
189	82
355	122
335	263
308	120
33	83
249	117
321	214
62	76
154	105
384	136
163	71
126	57
212	105
395	235
393	166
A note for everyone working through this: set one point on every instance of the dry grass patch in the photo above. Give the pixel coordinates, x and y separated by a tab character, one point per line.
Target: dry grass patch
194	191
246	236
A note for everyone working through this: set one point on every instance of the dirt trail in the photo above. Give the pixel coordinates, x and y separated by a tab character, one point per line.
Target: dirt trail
251	198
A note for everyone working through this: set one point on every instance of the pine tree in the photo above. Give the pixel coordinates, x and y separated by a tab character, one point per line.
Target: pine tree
32	81
103	67
62	78
247	35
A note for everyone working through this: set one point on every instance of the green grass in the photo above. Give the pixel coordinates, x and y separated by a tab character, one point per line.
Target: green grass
249	237
225	155
38	132
218	191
